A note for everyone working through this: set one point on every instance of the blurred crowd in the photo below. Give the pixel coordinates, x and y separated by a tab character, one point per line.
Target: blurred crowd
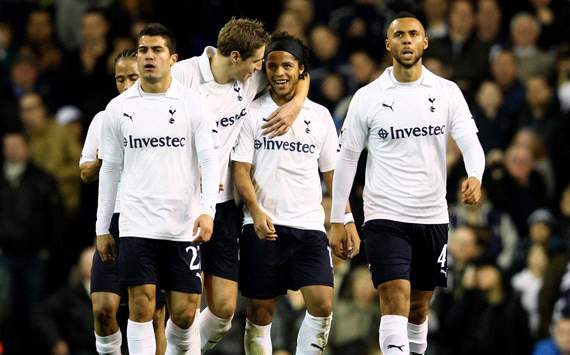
508	257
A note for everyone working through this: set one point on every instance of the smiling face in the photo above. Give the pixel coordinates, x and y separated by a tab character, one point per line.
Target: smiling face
154	59
406	41
243	69
283	71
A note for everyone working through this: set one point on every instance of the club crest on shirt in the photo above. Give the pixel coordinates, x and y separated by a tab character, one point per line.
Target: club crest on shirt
431	100
307	129
172	112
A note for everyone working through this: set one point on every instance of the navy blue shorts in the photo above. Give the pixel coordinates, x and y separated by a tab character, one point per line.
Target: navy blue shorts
105	277
409	251
220	254
298	258
172	266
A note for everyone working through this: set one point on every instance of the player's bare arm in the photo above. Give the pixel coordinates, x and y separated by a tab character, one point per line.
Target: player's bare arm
203	226
262	223
280	120
346	242
89	171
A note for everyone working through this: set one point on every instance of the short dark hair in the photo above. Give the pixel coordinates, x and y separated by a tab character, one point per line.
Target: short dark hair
243	35
130	53
158	29
405	14
304	60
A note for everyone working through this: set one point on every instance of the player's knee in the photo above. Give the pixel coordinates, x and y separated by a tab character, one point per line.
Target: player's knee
260	313
183	315
418	312
322	308
395	298
141	307
104	313
224	309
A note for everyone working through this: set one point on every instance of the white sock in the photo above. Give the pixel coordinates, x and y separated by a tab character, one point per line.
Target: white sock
212	329
178	340
394	335
313	335
195	335
140	337
110	344
257	339
417	335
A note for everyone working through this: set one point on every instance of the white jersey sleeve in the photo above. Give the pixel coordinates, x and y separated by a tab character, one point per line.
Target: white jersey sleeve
202	126
461	120
92	141
327	158
244	150
354	132
111	148
183	72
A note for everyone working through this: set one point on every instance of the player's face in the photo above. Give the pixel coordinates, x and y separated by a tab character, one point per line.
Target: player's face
406	41
283	71
126	73
245	68
154	59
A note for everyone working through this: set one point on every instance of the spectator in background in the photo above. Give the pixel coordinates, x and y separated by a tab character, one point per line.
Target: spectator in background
563	76
30	226
528	283
543	165
497	234
303	10
505	73
467	56
516	187
532	60
361	23
88	64
435	15
493	126
437	66
64	322
326	56
553	17
331	91
357	330
290	23
565	217
52	148
6	54
289	313
68	17
489	16
473	321
559	342
41	41
364	68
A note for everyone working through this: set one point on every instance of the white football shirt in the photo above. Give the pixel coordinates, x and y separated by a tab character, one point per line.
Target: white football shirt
157	137
228	102
405	128
92	144
286	168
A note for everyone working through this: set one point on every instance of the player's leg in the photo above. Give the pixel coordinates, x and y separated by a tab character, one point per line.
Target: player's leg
181	276
105	300
429	270
310	269
138	271
159	323
220	265
216	319
257	336
182	322
314	333
389	254
108	338
418	322
259	282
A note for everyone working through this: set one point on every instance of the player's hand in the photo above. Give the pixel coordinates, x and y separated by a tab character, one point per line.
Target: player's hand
279	122
352	236
340	242
60	348
107	248
203	227
471	191
263	226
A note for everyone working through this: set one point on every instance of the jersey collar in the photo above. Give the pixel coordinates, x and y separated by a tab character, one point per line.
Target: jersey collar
388	81
204	64
175	90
